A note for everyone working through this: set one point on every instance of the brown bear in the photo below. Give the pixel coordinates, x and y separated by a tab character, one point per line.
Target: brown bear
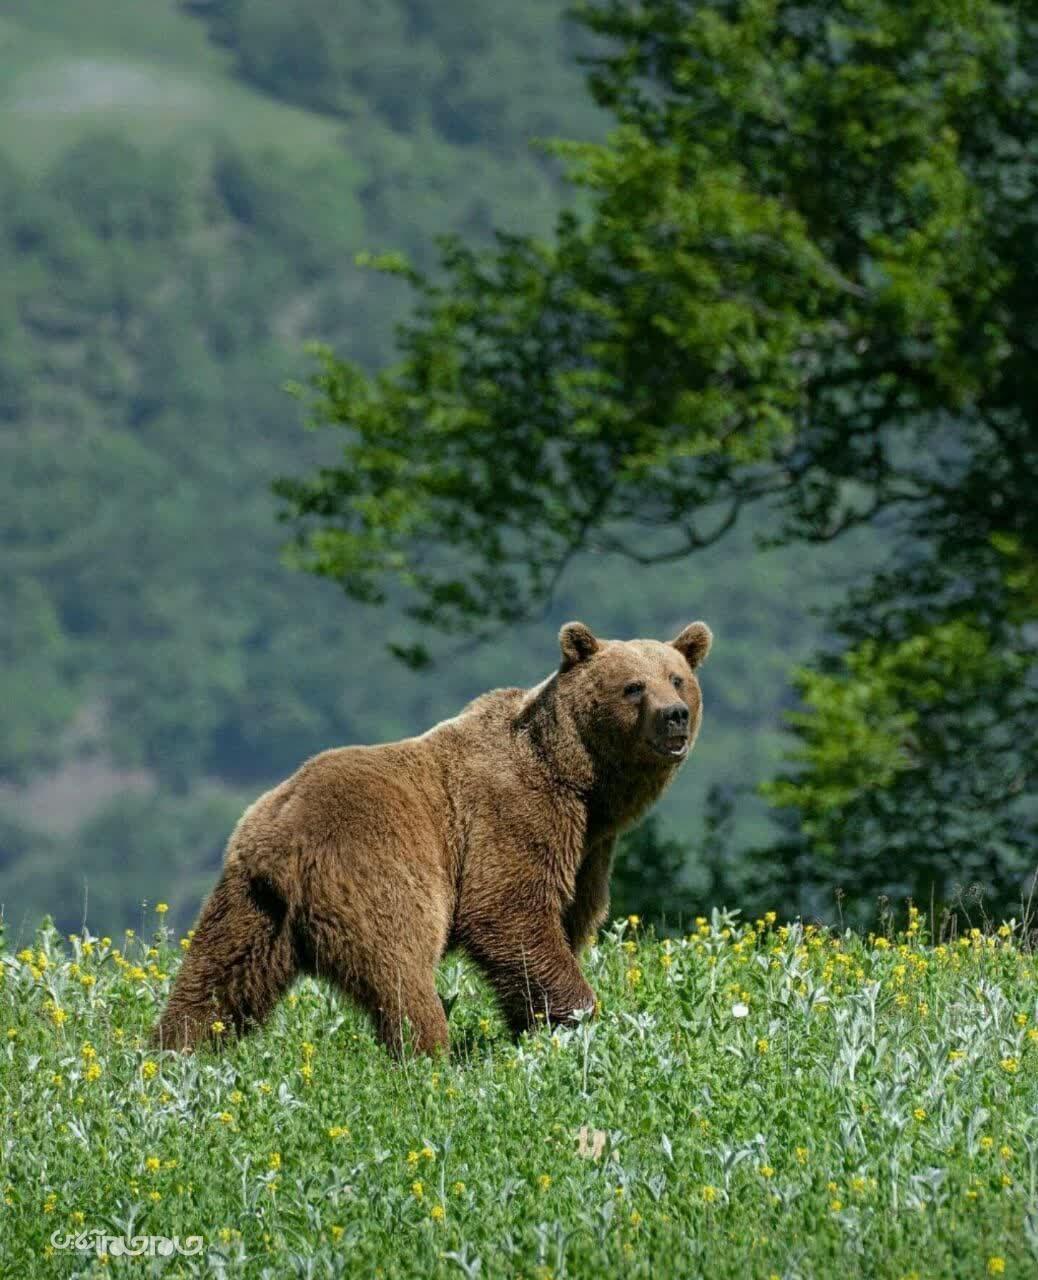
493	831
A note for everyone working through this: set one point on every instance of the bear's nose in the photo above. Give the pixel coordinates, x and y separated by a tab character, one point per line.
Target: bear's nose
676	716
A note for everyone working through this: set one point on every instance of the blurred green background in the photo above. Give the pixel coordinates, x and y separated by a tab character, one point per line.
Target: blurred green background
183	191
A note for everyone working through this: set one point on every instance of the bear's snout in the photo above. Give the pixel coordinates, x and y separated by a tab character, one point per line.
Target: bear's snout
675	717
670	730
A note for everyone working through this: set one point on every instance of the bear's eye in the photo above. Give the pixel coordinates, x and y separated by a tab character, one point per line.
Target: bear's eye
634	689
678	682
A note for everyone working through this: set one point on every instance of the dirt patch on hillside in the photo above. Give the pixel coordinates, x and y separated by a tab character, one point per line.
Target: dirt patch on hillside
96	84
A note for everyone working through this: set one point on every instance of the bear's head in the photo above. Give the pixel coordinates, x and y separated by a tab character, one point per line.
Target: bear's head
634	701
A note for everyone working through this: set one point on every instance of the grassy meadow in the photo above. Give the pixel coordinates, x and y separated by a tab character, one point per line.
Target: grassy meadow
753	1100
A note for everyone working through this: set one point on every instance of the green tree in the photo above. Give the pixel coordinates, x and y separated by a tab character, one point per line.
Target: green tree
652	876
805	275
912	777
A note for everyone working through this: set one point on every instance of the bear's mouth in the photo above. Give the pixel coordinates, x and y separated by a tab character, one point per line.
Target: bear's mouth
673	746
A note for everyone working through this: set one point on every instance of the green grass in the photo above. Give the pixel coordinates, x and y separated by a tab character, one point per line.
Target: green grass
142	68
870	1113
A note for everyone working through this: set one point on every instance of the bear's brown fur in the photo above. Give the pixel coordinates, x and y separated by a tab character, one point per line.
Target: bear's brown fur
493	831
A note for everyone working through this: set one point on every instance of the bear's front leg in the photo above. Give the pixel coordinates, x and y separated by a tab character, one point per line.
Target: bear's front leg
527	958
590	906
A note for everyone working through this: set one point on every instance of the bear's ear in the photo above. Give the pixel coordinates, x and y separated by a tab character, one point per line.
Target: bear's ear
577	644
694	643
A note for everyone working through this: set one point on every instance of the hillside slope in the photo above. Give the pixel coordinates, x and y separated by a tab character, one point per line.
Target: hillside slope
143	68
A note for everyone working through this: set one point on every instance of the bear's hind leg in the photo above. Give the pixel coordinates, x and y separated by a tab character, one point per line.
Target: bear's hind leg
411	1019
240	962
395	982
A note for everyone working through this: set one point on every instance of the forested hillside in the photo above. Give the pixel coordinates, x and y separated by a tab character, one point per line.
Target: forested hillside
182	197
